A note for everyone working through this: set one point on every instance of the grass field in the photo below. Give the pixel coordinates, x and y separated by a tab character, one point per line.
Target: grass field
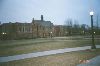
27	46
66	59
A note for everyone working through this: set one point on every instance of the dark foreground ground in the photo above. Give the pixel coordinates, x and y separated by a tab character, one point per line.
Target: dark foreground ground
66	59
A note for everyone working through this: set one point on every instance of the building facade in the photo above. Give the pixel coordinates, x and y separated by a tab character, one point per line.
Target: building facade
18	30
59	30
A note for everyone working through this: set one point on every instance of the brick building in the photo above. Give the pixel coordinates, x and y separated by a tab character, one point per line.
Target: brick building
58	30
18	30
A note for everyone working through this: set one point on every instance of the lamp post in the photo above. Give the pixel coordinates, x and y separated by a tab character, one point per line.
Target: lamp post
51	34
92	31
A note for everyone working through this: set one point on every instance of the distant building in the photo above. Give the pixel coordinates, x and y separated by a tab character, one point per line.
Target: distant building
44	28
18	30
58	30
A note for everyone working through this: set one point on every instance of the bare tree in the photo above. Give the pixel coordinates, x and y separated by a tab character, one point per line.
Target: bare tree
76	27
68	24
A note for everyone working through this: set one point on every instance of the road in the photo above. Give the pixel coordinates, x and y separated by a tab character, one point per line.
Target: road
44	53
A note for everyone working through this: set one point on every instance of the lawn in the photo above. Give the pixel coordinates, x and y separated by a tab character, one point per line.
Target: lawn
65	59
28	46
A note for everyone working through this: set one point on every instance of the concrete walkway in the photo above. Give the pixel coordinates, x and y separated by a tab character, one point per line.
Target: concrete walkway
92	62
44	53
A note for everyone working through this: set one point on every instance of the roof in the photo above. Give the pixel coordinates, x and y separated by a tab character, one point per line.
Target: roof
44	23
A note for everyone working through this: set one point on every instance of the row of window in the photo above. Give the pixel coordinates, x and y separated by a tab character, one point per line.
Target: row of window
25	29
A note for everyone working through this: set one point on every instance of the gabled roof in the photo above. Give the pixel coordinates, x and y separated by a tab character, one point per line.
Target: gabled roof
44	23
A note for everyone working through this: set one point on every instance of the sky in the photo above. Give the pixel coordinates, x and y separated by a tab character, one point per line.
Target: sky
56	11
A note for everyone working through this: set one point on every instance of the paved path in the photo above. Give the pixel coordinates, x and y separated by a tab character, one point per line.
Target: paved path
92	62
44	53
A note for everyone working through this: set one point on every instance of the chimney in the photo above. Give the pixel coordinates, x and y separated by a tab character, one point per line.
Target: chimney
41	17
10	22
0	22
33	20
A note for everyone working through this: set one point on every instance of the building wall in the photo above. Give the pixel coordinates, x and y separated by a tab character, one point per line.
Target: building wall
58	30
18	30
44	28
8	31
24	31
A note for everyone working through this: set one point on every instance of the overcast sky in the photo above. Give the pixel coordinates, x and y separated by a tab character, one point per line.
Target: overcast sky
56	11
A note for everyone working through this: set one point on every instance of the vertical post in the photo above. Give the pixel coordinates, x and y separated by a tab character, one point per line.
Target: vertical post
92	32
41	17
32	30
37	31
33	24
97	26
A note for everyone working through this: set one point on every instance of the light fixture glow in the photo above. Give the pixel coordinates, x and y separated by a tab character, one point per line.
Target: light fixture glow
91	13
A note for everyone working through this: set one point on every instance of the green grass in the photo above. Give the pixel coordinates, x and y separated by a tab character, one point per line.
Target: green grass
28	46
65	59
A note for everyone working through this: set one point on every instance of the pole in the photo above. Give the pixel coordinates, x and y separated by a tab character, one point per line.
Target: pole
93	44
37	31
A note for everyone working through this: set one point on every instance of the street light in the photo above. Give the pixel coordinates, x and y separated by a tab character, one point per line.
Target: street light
51	34
92	31
3	33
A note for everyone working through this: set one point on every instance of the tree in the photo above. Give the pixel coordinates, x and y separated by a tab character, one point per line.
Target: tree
68	24
76	28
